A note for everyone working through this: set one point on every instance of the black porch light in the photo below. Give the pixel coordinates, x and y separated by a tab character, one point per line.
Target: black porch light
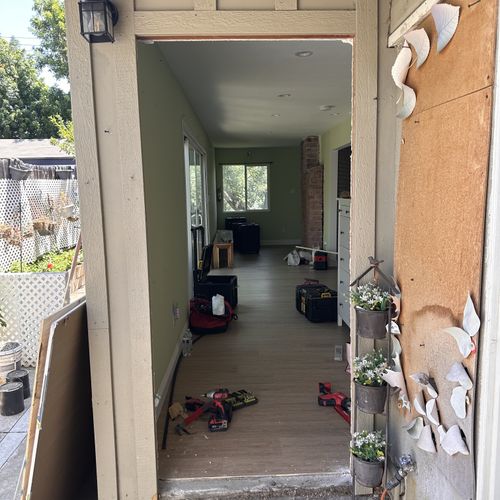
97	18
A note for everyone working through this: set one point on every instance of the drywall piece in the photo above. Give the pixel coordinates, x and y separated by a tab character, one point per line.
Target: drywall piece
446	20
458	401
409	102
426	440
419	40
395	378
463	339
414	428
453	442
423	380
419	403
441	432
394	328
471	322
431	411
401	66
458	374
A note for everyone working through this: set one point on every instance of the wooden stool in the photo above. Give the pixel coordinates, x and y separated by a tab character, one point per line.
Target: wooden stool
216	256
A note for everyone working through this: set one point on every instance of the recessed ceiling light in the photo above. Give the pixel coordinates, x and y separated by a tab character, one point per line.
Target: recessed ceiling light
304	53
284	95
276	115
326	107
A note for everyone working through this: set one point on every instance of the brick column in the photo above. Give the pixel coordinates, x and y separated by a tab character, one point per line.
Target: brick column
312	193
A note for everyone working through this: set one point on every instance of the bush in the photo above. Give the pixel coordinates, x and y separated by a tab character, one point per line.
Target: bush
371	297
368	446
52	262
368	369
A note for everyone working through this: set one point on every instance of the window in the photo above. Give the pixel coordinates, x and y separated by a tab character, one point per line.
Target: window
245	188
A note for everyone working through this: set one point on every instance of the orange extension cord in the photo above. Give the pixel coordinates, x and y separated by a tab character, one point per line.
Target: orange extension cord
384	493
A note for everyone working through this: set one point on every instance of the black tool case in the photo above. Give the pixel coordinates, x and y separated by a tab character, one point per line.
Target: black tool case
317	302
206	286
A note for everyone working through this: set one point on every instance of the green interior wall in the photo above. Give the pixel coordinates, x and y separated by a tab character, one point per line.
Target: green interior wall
283	222
164	110
335	138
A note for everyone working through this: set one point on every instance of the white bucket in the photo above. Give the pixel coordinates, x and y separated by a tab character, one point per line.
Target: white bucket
10	358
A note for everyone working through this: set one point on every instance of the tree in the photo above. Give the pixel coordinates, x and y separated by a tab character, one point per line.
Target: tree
26	102
65	131
49	25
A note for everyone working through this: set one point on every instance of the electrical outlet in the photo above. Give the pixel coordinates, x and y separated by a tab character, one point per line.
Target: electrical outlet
176	311
338	353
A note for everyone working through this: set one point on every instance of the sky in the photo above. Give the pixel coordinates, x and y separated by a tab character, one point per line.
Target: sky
15	18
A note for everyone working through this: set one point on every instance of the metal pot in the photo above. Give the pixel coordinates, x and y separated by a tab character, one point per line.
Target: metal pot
368	474
371	324
371	399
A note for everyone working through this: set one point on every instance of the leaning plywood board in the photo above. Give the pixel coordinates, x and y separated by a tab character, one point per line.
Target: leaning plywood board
440	228
60	451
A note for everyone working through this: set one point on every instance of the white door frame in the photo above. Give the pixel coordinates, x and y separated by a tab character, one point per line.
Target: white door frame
190	140
108	144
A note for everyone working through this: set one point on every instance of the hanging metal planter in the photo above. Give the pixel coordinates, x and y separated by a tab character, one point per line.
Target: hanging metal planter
371	324
371	399
368	474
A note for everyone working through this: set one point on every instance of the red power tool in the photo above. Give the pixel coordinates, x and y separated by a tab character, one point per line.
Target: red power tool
340	402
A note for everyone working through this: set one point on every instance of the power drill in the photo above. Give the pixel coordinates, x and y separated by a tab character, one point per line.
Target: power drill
219	421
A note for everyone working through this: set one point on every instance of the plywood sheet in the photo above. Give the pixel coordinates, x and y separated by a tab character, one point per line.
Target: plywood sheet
439	245
60	452
466	64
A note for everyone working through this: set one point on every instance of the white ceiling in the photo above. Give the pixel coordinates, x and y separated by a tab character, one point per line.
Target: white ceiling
234	87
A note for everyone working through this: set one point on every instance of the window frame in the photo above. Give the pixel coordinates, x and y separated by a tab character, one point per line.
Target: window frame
246	165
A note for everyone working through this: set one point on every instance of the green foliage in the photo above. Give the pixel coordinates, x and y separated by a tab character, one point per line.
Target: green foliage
26	102
371	297
368	369
52	262
245	187
368	445
49	25
66	141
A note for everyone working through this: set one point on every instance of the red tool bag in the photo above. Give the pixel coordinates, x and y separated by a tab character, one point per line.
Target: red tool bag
201	319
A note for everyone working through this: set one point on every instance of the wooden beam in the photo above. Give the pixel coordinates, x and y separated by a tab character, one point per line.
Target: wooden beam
92	226
364	169
285	4
230	24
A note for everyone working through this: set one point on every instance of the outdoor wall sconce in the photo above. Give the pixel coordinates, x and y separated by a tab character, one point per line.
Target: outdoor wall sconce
97	18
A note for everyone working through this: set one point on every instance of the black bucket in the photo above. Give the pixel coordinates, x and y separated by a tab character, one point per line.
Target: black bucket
11	399
23	376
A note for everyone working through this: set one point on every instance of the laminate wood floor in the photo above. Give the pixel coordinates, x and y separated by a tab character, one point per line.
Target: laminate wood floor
277	354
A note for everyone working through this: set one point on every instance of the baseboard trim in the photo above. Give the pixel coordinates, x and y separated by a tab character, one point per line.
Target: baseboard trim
162	392
271	243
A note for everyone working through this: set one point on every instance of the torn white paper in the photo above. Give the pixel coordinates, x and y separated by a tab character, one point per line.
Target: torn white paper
414	428
458	374
401	66
395	377
419	40
458	401
409	102
423	380
463	339
446	21
453	442
441	432
431	411
419	403
426	441
394	328
471	322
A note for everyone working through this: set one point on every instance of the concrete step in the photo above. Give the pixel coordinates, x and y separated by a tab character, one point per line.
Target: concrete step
336	485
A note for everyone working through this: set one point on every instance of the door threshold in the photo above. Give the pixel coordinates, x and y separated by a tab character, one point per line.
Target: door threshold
281	486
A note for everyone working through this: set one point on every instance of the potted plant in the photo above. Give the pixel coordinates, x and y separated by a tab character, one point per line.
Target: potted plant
371	389
371	305
368	450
